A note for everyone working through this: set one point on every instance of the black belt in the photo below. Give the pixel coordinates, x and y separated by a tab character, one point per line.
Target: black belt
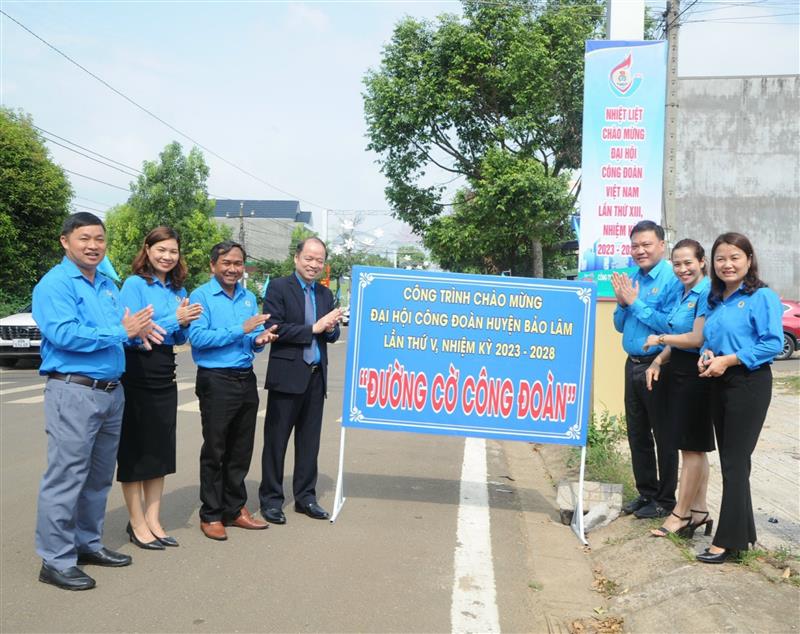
95	384
648	359
239	373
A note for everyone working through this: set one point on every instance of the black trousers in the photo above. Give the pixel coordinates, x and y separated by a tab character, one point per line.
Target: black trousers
228	410
654	453
303	413
739	403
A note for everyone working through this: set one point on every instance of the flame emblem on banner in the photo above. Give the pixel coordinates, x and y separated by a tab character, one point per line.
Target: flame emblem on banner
623	82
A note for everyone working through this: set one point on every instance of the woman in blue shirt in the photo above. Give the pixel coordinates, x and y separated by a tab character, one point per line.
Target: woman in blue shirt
743	333
147	443
688	394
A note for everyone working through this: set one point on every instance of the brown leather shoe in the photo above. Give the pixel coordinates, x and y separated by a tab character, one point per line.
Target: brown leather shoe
214	530
246	520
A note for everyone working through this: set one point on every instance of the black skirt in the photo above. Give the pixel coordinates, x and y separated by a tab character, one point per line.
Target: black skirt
147	442
689	403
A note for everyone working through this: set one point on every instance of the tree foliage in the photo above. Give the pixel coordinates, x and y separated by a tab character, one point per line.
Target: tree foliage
34	201
485	97
172	192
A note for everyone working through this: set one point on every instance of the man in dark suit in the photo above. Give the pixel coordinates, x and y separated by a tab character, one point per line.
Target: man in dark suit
296	379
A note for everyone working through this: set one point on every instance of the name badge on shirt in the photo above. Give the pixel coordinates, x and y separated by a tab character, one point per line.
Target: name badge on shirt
111	297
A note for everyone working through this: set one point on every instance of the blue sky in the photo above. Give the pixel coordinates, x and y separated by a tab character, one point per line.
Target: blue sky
274	87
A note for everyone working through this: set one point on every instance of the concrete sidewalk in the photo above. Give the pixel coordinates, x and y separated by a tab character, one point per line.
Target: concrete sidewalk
628	581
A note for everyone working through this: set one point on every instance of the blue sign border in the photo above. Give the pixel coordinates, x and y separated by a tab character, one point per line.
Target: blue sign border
364	277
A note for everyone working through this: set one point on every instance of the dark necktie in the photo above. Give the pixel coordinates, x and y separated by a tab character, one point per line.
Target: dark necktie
310	351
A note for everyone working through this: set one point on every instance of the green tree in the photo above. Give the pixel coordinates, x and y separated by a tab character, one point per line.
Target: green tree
486	93
34	201
411	256
527	210
171	191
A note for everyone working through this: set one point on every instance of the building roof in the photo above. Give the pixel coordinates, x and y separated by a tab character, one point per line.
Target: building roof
278	209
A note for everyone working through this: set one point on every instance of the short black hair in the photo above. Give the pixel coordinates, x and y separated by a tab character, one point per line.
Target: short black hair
78	220
648	225
299	248
221	248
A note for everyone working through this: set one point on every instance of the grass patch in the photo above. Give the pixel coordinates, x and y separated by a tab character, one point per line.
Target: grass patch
750	558
788	384
535	586
604	461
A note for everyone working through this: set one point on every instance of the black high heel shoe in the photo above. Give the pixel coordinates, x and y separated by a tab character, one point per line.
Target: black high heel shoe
168	541
689	529
663	531
153	545
708	557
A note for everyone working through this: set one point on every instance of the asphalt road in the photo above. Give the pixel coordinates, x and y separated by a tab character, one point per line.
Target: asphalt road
386	565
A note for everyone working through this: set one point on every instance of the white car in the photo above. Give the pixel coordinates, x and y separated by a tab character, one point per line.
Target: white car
19	338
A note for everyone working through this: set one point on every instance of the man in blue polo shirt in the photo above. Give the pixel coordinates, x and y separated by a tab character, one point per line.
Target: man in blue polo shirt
642	310
224	339
83	327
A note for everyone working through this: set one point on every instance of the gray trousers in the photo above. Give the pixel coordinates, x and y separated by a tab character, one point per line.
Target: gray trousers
83	427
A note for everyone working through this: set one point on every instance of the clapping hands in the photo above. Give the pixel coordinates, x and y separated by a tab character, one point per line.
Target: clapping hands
187	312
140	324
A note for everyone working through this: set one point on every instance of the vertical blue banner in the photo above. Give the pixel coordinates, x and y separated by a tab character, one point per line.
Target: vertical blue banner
470	355
623	152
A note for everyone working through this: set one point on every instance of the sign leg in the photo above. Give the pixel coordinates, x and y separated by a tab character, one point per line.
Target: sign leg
577	518
338	499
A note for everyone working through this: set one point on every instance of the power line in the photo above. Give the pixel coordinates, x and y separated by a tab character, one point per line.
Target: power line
86	207
61	138
96	202
91	158
96	180
155	116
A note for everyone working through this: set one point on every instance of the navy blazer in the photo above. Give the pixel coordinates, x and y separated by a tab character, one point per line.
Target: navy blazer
285	302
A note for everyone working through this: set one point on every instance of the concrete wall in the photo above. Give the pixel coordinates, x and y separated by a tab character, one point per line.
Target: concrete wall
738	168
608	386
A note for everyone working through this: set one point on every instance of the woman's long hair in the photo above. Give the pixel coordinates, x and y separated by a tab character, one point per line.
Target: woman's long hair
751	282
141	263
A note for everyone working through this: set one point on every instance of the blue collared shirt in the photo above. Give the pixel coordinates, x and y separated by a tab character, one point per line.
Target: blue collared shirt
81	323
686	308
137	293
217	336
648	314
312	287
749	326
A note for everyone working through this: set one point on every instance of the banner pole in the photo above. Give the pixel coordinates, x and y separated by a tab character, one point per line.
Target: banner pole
577	519
338	498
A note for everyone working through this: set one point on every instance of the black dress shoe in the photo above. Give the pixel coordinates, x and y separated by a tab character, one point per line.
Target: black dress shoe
105	557
312	509
635	505
274	516
72	578
652	510
708	557
156	544
168	541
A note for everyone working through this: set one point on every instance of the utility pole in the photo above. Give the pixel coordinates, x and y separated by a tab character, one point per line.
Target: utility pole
671	26
241	224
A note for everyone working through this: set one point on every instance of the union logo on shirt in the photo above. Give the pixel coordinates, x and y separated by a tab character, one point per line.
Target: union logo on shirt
654	290
740	304
247	303
691	304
